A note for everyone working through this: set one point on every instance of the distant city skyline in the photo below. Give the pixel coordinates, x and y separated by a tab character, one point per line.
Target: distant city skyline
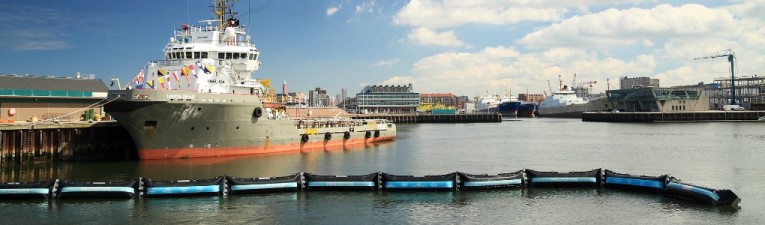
449	46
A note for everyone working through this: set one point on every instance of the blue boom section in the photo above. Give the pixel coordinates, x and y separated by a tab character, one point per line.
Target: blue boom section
635	182
184	190
419	184
341	184
492	183
271	186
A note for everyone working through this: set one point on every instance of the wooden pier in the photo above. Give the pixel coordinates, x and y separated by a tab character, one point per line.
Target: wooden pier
673	116
428	118
74	141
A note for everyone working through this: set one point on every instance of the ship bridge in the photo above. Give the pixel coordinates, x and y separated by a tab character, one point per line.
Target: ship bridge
208	41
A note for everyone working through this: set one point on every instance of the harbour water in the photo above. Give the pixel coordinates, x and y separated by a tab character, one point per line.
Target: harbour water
725	155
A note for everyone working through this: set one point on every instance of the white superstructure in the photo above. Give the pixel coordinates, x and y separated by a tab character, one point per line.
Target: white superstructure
216	56
487	103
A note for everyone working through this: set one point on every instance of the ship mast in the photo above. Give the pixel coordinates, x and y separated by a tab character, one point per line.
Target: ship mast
221	8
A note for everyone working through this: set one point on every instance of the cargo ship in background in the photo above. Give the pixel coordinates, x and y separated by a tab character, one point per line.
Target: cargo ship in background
528	109
512	107
200	101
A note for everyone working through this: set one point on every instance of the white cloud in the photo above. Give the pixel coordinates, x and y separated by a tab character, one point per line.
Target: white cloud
425	36
41	45
453	13
496	69
389	62
365	7
633	26
332	10
398	80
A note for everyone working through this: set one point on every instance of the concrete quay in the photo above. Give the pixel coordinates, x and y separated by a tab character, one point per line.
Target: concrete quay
702	116
429	118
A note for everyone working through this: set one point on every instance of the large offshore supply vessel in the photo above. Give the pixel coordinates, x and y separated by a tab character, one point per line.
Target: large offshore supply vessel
200	101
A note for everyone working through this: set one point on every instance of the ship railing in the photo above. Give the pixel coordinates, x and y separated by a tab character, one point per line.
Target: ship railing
181	34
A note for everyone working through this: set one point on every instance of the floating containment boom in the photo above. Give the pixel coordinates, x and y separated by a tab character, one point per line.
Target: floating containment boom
379	181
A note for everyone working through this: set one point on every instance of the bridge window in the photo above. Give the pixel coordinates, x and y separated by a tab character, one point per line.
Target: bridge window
228	55
220	55
236	55
204	55
188	55
197	55
243	55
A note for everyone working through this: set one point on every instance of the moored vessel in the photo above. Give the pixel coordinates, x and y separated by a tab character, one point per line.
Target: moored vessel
200	101
566	104
528	109
509	105
487	103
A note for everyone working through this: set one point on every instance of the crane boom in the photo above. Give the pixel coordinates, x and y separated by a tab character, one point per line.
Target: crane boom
731	55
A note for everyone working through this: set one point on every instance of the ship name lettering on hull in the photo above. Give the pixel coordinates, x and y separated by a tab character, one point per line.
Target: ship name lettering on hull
181	96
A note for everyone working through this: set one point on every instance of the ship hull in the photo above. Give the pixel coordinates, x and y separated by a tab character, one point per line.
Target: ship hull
509	109
528	109
182	124
574	110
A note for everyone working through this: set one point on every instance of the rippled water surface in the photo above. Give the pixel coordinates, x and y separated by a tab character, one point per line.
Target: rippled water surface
721	155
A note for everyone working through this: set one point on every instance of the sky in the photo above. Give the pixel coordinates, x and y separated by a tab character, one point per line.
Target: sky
465	47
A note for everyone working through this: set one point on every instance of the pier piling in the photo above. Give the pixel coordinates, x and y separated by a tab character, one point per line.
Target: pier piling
29	142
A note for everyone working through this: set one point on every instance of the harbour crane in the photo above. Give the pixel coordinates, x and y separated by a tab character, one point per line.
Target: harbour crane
731	58
590	83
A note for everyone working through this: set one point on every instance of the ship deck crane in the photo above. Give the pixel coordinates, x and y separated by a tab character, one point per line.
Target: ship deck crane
731	58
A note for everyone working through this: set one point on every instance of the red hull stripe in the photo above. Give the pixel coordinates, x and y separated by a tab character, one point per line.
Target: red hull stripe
178	153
